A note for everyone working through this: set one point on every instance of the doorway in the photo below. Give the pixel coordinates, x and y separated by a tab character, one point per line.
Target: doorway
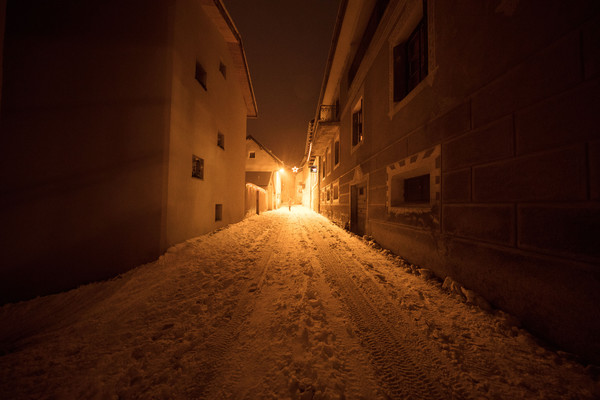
358	209
258	201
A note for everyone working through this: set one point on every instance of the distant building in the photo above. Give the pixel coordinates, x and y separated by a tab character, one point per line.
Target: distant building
263	178
464	137
122	133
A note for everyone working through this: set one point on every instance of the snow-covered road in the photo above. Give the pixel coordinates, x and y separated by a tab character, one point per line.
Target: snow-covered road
282	305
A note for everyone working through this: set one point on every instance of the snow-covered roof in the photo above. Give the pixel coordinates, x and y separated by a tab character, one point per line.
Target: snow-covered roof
269	152
259	178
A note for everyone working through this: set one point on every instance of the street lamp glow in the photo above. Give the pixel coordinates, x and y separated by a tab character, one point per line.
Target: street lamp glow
282	170
295	169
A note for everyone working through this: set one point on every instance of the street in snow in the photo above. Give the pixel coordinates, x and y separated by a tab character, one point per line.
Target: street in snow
281	305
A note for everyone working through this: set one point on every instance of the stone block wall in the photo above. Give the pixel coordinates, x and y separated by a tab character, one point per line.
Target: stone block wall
512	99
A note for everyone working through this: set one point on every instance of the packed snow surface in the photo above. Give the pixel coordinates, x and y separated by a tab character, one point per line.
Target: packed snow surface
283	305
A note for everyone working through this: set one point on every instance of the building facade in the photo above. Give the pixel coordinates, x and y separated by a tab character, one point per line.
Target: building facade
463	136
123	133
264	170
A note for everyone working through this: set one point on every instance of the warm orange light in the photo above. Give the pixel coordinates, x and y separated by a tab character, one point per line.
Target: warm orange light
282	170
295	169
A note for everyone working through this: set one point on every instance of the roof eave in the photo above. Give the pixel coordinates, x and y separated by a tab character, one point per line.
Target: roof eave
219	15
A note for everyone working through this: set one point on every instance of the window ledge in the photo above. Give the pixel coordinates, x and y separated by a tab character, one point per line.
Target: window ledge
355	147
396	106
414	208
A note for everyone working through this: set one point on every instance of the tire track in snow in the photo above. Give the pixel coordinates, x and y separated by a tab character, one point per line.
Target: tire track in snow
397	358
212	360
359	379
470	364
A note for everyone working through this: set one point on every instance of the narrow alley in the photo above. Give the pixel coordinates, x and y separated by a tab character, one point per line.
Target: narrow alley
281	305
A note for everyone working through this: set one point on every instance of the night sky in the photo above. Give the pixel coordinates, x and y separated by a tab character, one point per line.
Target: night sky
286	44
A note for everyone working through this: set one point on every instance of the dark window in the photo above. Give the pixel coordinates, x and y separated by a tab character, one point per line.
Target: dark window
400	84
221	140
323	166
252	155
410	60
357	125
328	195
197	167
336	192
223	70
218	212
416	190
336	152
201	75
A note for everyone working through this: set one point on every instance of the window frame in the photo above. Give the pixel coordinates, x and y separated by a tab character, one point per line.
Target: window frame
223	69
336	190
328	161
415	12
197	167
427	162
201	76
336	151
357	136
221	140
410	62
399	188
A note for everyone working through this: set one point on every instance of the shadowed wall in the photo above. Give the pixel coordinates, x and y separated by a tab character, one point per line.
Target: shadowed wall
508	111
100	118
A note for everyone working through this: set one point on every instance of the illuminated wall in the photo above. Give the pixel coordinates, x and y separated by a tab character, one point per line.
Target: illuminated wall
197	115
260	159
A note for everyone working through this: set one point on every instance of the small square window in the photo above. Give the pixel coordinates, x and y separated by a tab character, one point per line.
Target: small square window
252	154
197	167
200	75
223	70
218	212
221	140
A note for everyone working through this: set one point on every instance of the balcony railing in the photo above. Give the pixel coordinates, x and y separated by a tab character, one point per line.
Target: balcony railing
328	113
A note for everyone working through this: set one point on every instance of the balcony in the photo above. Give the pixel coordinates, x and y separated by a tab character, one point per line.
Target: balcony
325	128
328	113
